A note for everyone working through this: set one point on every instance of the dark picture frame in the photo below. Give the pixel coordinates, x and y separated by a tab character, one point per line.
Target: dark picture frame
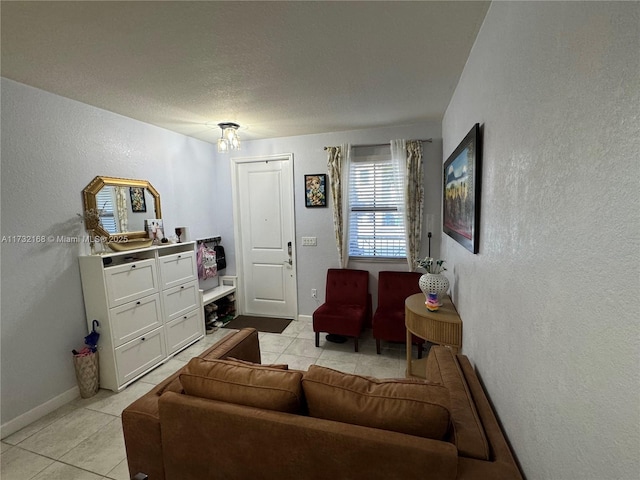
138	203
315	190
461	191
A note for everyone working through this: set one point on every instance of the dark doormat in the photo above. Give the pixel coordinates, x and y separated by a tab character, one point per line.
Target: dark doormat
262	324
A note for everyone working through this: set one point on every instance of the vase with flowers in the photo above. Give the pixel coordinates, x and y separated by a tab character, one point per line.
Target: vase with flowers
433	281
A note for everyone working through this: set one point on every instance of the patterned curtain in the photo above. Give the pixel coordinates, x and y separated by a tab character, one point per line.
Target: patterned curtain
121	209
414	199
338	169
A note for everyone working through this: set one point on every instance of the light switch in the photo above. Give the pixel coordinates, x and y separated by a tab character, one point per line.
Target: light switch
309	241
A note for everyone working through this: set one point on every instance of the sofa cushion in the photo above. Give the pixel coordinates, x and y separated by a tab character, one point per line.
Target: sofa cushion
251	385
407	406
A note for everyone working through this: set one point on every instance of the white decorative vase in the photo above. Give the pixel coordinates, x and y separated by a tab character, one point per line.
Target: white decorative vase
434	283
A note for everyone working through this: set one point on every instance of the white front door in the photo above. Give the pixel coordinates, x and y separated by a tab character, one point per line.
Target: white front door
265	235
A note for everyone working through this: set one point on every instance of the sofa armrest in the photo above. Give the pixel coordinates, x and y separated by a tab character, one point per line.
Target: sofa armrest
141	422
502	465
208	439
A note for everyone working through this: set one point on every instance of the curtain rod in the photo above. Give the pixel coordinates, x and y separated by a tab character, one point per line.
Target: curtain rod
428	140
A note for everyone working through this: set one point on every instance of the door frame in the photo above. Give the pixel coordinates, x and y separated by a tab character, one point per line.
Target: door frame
235	163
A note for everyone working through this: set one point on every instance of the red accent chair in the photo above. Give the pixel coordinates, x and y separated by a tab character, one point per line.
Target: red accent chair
347	303
388	320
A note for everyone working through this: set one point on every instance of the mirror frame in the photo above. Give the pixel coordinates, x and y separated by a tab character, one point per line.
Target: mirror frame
89	198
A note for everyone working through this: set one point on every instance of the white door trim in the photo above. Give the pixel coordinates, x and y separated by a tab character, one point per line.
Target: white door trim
235	162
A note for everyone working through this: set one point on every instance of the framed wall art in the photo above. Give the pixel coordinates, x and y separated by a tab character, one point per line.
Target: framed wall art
138	203
315	190
461	191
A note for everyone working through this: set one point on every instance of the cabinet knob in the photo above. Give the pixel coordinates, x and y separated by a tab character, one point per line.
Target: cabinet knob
137	303
182	287
179	256
143	339
133	266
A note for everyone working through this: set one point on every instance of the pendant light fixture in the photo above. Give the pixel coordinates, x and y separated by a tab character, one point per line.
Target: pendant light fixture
229	139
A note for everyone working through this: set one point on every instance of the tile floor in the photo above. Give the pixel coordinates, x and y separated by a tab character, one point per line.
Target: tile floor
83	439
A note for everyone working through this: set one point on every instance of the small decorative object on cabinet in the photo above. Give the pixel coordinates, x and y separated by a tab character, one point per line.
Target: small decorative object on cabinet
432	302
433	281
155	229
149	308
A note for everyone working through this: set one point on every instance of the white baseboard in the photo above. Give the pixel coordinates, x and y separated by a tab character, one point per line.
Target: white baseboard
38	412
307	318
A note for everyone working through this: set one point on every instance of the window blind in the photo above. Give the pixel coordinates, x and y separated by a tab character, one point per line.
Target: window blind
104	202
376	227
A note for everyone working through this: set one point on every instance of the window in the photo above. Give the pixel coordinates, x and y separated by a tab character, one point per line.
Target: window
104	201
376	226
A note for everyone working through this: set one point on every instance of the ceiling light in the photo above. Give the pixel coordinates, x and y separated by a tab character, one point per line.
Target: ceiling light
229	139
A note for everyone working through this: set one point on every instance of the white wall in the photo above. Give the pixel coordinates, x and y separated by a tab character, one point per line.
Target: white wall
550	304
309	157
52	148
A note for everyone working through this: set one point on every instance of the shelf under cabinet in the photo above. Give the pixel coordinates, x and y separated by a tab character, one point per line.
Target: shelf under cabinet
217	293
227	287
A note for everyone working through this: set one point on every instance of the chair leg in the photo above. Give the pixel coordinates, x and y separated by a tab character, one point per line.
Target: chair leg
356	343
378	346
317	339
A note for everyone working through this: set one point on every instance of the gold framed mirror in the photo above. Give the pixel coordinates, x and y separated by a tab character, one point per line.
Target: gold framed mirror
123	205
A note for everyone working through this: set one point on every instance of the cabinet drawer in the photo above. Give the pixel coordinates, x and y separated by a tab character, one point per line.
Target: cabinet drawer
128	282
132	319
139	355
178	268
184	330
180	300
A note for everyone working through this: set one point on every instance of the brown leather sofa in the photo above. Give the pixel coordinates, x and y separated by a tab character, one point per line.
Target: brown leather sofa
228	419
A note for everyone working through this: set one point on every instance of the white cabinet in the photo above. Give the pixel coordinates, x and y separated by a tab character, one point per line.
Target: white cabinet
132	319
184	330
178	268
180	300
148	305
131	281
137	356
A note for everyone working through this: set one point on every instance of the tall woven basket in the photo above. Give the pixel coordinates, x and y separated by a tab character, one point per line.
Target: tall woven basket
87	374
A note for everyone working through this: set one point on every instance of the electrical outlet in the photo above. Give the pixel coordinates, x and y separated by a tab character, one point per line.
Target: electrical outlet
314	293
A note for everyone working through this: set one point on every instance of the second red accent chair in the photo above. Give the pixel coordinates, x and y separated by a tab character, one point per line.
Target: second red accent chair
346	304
388	320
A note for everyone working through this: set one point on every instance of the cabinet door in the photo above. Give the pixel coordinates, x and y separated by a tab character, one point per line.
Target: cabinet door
131	281
139	355
184	330
180	300
132	319
178	268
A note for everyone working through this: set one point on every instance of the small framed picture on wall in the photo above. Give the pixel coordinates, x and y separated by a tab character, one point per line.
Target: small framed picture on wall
138	203
315	190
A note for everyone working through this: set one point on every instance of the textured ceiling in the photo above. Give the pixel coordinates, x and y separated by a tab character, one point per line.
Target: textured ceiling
276	68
